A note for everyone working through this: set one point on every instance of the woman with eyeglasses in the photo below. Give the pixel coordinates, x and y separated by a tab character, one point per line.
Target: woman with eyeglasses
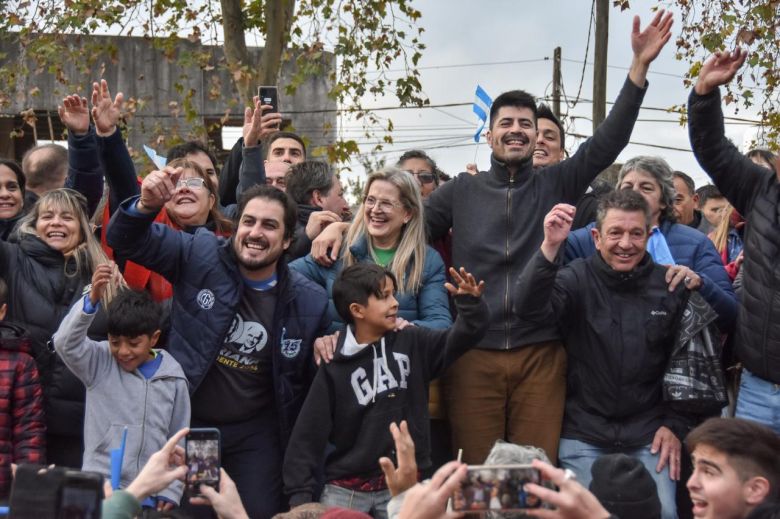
194	205
47	266
388	229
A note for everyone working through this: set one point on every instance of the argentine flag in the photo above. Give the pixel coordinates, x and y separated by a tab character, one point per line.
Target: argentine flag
481	107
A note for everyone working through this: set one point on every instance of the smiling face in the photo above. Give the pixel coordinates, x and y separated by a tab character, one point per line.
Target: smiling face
646	185
190	204
548	148
379	314
11	199
259	240
622	239
716	489
131	352
384	213
59	228
512	136
334	201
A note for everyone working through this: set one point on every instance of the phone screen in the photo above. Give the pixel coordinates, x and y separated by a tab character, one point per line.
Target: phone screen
498	487
269	95
203	458
79	502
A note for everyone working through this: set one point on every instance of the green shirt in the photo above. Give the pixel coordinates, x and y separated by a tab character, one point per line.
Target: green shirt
384	256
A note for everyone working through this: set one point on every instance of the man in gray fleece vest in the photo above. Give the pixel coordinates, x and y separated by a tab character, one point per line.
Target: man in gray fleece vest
512	385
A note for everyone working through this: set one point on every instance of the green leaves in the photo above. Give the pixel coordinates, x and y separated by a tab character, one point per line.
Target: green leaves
720	25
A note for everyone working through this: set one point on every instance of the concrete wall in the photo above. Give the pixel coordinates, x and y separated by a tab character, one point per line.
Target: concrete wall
139	70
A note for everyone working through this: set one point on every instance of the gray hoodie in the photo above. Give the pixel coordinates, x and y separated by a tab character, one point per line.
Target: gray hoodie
153	410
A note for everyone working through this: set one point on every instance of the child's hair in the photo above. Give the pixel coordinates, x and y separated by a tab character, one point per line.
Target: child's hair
133	313
356	283
3	292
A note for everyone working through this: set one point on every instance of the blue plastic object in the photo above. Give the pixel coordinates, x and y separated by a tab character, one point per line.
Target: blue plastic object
117	456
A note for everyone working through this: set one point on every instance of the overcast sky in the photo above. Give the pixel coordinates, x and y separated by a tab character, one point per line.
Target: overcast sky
460	34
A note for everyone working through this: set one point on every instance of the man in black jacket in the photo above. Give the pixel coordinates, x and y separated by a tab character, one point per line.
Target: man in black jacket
512	385
618	317
754	192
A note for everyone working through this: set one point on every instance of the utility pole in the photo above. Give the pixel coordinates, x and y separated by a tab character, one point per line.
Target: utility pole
556	83
600	63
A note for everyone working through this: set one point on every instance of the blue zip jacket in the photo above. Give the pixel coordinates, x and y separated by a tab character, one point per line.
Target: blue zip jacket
207	289
690	248
429	307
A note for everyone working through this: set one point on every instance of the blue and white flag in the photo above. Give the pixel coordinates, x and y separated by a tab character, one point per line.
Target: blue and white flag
481	107
158	160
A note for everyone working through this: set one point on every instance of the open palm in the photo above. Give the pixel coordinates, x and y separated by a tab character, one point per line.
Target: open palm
719	69
105	112
647	44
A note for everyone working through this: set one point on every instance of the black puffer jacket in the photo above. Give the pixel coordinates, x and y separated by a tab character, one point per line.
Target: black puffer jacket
40	294
755	193
619	330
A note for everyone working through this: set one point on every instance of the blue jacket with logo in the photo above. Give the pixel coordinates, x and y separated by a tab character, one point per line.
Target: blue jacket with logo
207	289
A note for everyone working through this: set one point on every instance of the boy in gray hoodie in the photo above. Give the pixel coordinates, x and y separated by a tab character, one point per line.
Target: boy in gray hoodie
129	383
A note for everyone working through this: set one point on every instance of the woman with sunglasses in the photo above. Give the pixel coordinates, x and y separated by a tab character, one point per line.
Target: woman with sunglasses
422	168
47	266
388	229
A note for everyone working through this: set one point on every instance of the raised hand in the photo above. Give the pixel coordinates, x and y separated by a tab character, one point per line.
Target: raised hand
259	125
466	283
557	225
719	69
401	478
105	112
647	44
158	188
74	114
103	275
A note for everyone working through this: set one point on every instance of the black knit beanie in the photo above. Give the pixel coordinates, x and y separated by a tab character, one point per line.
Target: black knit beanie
625	487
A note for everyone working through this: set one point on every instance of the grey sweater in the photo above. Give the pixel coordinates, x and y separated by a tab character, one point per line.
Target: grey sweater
152	410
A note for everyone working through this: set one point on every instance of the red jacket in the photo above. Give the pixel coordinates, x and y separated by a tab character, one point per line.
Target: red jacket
22	426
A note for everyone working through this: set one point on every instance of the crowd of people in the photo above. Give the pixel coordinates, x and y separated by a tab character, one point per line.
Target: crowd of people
523	314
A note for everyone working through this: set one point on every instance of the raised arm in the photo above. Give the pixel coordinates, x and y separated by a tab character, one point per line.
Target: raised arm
609	139
735	175
540	298
84	172
441	348
133	236
257	126
117	164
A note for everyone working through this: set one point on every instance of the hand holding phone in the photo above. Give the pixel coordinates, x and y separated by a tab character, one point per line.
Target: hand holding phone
269	95
497	487
203	459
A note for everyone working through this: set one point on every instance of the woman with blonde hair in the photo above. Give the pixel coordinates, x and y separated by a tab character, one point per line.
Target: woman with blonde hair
47	268
727	238
388	229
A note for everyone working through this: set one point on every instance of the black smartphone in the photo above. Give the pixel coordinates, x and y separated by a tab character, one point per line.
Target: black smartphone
497	488
202	448
269	95
80	496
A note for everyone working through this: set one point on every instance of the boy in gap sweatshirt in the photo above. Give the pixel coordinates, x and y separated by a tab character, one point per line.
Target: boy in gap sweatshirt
129	383
378	376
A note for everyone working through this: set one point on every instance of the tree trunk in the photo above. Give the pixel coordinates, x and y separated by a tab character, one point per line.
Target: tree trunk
278	23
236	52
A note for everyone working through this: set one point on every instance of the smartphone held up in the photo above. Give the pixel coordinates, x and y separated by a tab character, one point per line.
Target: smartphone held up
497	488
203	459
